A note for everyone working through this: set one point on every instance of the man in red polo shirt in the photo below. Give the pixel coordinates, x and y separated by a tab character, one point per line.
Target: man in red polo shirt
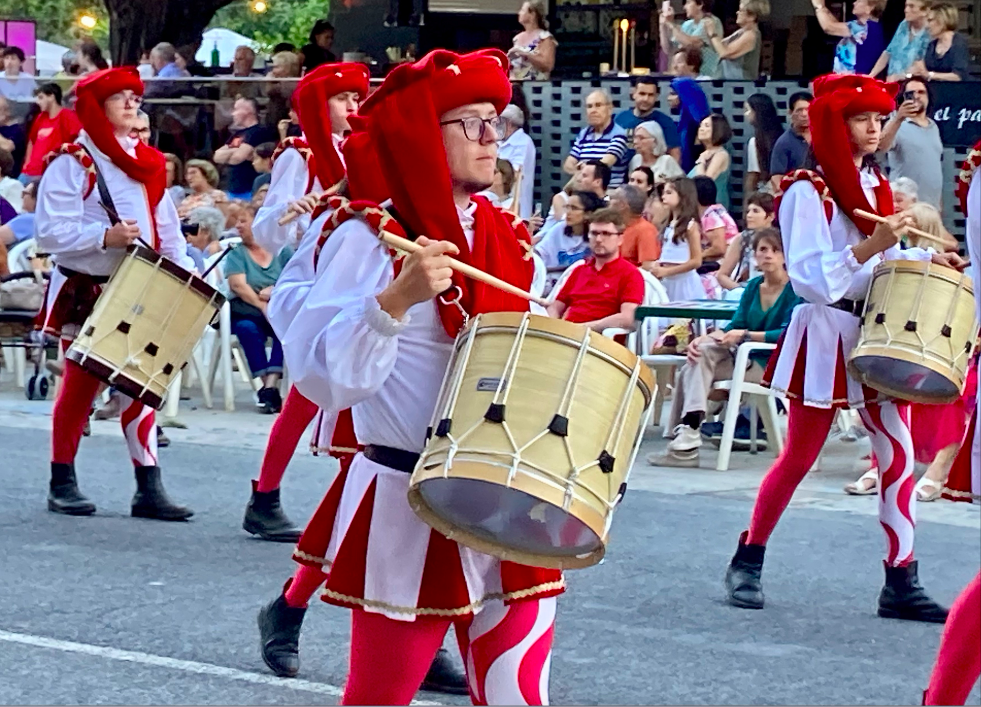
605	290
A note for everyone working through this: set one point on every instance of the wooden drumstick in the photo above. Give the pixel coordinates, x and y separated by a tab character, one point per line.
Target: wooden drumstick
288	217
408	246
914	231
516	191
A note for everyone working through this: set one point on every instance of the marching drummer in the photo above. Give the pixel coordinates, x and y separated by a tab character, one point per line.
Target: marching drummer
87	228
302	169
831	254
405	582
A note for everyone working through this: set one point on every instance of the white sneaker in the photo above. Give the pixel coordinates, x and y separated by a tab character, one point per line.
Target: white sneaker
685	439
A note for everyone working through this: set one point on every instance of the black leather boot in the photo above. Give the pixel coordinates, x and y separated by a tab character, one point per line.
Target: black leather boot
151	500
279	636
903	597
264	517
444	676
743	585
63	494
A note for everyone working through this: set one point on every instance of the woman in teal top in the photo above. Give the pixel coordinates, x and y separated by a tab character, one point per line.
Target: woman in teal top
715	162
764	312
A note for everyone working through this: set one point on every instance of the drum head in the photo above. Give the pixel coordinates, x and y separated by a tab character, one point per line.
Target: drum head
506	519
905	380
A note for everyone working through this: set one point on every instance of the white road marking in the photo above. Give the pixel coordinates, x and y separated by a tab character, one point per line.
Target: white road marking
187	666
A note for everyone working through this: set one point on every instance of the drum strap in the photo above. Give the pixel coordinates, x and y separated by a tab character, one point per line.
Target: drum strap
103	188
393	458
852	306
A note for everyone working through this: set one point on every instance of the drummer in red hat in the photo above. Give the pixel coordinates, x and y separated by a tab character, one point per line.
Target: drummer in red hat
302	169
831	253
86	227
434	126
958	662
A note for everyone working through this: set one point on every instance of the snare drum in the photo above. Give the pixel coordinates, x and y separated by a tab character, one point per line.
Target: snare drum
145	325
536	427
918	330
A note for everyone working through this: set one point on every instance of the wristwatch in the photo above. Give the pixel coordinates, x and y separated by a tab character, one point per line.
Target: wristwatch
746	337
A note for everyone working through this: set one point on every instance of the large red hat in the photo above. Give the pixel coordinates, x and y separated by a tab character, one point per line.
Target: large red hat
149	166
837	98
310	103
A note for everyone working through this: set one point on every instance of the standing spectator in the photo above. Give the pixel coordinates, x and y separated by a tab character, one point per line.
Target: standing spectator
694	108
566	242
640	245
243	62
175	178
650	150
862	40
714	162
317	51
202	182
15	85
89	56
603	292
517	147
911	140
601	139
693	33
948	56
904	193
739	53
761	113
10	189
681	243
237	153
645	96
790	151
908	45
13	137
262	164
53	127
533	54
740	265
21	226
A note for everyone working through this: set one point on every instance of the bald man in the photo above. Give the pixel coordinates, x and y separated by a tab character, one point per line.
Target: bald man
602	139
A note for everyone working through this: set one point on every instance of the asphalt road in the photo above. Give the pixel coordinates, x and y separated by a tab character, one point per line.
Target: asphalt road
113	610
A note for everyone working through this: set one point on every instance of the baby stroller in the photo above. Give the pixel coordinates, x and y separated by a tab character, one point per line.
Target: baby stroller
21	300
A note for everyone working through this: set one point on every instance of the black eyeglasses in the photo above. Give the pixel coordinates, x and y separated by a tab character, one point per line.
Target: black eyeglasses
474	127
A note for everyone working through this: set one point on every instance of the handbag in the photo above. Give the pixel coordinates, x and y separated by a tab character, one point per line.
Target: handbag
23	292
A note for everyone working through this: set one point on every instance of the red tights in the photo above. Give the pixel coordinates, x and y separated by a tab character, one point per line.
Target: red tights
285	434
959	660
506	651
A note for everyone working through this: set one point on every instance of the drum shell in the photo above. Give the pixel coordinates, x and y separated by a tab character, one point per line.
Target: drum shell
919	317
145	325
546	360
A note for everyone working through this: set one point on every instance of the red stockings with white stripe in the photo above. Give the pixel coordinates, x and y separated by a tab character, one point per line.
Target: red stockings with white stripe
507	652
139	424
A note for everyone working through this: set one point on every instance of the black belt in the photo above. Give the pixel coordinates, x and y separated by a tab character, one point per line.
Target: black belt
393	458
97	279
852	306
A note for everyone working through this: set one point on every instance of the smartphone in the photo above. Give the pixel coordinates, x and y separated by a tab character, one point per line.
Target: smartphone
908	96
666	7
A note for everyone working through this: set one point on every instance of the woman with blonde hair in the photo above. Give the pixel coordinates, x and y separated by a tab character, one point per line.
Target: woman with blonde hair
533	54
948	56
202	183
739	53
927	218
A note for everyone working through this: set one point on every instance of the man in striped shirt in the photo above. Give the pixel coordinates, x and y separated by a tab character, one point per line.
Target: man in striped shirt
601	139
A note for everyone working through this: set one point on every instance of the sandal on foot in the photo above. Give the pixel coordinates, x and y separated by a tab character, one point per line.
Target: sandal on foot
860	488
928	490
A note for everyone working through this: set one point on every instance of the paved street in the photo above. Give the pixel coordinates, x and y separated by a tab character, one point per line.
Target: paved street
113	610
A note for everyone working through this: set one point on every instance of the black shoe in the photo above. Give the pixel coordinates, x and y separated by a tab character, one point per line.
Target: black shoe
903	597
151	500
270	401
444	676
743	585
279	636
275	400
419	20
63	494
163	441
264	517
391	21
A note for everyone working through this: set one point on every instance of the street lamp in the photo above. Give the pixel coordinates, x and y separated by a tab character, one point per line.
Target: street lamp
259	6
87	21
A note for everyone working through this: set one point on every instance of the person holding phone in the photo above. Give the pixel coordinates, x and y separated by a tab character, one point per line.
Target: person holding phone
911	140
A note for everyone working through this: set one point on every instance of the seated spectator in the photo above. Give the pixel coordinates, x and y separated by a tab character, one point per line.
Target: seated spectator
16	85
592	176
237	153
693	32
687	63
13	137
655	211
566	242
601	139
643	179
791	149
202	183
681	243
203	228
10	188
693	107
262	164
948	56
517	147
252	272
259	198
289	127
905	193
285	66
761	113
926	217
603	292
243	61
21	226
714	162
908	44
53	127
645	95
862	40
140	129
163	59
739	264
317	51
500	192
764	312
739	53
640	245
651	151
719	229
175	178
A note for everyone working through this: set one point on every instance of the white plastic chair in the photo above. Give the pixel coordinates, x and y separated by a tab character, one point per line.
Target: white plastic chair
19	256
560	283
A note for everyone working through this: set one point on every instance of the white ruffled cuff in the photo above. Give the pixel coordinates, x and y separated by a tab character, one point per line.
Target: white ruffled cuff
851	262
381	321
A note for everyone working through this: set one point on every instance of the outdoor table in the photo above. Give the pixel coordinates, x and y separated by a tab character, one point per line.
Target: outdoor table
699	310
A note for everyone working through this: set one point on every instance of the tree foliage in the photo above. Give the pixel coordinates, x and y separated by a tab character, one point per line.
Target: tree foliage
283	20
57	20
